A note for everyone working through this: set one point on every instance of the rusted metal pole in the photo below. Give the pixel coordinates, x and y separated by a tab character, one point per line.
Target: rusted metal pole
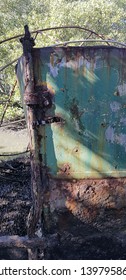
34	217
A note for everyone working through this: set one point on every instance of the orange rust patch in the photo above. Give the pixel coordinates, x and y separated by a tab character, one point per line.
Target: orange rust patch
85	214
65	168
46	85
98	202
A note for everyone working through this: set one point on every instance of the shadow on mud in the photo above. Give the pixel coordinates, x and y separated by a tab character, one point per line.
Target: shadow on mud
98	248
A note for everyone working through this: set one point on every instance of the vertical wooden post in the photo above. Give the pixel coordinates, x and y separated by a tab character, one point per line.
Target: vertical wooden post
30	98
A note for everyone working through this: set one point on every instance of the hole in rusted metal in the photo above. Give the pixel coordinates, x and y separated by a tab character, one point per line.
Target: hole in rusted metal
76	150
103	124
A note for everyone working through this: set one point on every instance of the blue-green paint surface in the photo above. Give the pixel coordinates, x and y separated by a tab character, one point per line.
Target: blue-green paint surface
88	87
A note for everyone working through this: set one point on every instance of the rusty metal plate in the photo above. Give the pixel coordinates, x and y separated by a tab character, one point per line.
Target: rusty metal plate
88	89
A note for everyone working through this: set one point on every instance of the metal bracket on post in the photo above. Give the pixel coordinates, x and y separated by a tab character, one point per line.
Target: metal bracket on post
41	99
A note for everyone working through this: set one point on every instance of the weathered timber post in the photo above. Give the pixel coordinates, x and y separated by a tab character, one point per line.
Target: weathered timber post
31	101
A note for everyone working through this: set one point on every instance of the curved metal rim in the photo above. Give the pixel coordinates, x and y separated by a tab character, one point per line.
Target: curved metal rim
88	40
54	28
62	27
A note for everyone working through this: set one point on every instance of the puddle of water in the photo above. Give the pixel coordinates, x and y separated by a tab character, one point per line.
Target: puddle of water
12	142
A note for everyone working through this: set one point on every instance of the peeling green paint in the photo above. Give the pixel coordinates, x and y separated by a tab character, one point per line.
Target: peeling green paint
88	89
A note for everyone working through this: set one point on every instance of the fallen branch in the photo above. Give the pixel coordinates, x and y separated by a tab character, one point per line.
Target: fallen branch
14	154
13	122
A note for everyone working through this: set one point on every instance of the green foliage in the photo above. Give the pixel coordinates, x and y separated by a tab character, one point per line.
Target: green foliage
103	16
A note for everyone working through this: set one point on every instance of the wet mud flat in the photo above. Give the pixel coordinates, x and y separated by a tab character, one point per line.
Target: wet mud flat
77	239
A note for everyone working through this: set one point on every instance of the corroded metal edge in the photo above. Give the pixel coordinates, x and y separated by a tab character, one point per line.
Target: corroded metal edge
98	202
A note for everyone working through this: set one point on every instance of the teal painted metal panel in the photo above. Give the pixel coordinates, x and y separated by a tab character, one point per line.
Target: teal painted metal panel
88	89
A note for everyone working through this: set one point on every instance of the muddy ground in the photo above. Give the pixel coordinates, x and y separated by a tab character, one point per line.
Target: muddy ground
15	202
75	242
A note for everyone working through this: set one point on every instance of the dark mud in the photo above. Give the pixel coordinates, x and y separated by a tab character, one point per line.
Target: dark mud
77	242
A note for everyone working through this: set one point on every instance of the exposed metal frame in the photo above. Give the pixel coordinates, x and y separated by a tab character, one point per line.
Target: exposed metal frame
89	40
40	31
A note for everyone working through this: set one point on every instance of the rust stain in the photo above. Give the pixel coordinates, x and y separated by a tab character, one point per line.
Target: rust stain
87	200
65	169
84	213
45	86
76	114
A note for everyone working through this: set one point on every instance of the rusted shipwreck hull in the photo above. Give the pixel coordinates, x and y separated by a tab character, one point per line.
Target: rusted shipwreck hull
75	104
